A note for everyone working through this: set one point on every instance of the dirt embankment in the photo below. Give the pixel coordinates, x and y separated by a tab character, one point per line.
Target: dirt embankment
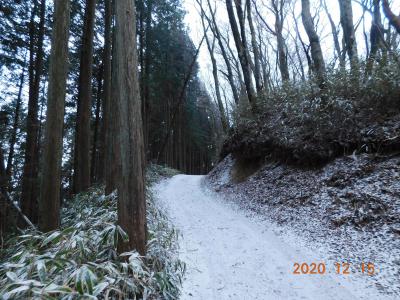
313	141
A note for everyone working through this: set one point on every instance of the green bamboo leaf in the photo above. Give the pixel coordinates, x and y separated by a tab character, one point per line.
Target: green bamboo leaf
57	289
11	294
99	288
54	237
68	230
41	269
12	276
122	233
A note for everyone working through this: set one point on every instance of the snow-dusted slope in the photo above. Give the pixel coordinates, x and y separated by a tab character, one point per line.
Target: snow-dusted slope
233	256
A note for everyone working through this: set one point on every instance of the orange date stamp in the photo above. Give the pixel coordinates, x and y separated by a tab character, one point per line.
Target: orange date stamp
342	268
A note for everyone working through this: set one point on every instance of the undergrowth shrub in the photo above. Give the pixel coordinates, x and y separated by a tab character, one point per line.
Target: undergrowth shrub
298	123
345	95
80	261
156	172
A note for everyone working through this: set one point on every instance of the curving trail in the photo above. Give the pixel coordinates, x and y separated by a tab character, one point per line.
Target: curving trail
232	256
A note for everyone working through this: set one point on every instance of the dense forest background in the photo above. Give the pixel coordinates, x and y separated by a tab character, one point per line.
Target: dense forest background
179	117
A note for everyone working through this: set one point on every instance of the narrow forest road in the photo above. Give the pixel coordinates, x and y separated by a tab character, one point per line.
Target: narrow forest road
232	256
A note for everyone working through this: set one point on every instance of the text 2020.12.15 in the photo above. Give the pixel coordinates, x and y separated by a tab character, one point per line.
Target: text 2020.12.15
338	268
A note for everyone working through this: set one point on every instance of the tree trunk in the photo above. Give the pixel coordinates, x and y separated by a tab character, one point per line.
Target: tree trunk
82	129
316	52
335	37
242	53
146	71
376	36
217	34
13	137
211	48
49	203
107	148
29	192
94	164
41	109
5	209
257	68
393	19
346	18
281	45
131	196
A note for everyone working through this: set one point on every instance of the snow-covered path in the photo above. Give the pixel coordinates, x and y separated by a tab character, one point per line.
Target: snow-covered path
232	256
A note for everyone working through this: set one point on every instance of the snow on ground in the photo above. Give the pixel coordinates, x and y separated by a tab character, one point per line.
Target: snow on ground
347	211
232	254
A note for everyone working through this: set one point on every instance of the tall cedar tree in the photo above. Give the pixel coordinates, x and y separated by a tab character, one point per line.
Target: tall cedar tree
4	211
108	169
129	131
49	204
29	193
81	179
13	136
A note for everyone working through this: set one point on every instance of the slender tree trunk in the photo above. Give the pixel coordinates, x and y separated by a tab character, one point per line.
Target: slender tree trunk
147	61
95	158
217	34
316	52
242	26
13	137
82	129
41	109
265	67
257	68
346	19
303	75
280	41
5	209
376	36
107	140
141	46
242	53
32	37
304	46
335	37
131	197
210	47
393	19
53	144
29	193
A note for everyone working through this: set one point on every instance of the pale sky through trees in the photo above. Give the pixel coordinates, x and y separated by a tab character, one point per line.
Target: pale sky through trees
193	21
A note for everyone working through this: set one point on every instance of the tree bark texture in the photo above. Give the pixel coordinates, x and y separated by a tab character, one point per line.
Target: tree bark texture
81	180
242	52
49	204
393	19
316	52
126	93
29	192
346	19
